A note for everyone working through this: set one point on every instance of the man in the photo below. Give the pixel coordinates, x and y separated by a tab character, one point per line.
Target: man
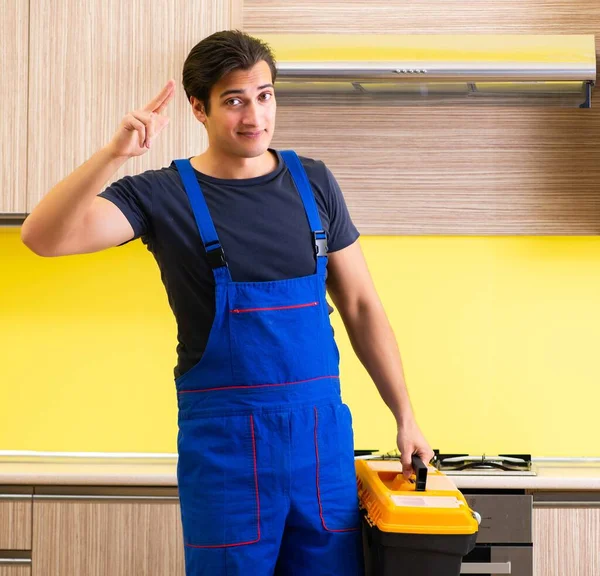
244	237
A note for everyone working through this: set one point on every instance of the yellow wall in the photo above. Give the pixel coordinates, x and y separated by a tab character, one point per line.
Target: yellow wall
500	340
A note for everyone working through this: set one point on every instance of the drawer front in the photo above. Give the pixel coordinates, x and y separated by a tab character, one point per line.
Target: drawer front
15	522
513	560
19	567
505	518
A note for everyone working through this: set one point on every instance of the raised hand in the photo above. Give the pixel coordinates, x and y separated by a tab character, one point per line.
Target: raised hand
139	128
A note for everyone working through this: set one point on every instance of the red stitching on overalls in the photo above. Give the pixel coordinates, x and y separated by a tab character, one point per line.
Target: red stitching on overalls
240	310
318	489
257	501
255	385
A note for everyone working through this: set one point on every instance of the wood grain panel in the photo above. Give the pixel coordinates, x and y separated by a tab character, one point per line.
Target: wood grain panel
92	62
14	15
415	17
566	541
471	171
448	170
15	523
96	538
15	570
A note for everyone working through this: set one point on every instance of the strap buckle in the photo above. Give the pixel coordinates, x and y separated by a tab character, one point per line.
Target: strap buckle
320	241
215	255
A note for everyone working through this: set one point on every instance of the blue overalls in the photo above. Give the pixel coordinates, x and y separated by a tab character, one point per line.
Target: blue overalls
266	468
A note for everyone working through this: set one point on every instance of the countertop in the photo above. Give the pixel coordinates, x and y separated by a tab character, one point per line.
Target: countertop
98	471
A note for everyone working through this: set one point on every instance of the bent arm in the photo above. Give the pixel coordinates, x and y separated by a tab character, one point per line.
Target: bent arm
72	219
353	292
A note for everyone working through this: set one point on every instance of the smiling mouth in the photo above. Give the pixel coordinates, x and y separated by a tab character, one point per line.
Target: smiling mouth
251	134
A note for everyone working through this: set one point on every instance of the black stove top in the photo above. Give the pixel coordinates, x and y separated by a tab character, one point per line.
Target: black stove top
466	464
500	462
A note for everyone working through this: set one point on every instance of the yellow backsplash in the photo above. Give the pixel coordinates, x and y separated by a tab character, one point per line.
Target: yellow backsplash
500	338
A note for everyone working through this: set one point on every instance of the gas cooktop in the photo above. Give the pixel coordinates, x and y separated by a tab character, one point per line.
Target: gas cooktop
486	465
466	464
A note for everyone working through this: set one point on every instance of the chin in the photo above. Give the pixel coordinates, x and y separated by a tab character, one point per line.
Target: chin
254	151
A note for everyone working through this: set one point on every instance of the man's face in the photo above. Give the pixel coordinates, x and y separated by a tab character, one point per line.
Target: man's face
242	112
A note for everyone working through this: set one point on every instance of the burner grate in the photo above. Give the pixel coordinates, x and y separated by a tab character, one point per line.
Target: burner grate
506	462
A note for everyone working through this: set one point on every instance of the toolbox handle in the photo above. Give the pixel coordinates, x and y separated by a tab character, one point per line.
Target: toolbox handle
420	470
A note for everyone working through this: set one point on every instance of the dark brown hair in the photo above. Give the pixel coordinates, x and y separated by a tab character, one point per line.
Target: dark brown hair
219	54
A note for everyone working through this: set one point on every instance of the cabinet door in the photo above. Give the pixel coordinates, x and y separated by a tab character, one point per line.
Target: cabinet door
15	520
14	31
93	62
81	535
566	539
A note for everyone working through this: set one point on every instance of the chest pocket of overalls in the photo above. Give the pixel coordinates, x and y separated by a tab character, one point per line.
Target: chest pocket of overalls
277	337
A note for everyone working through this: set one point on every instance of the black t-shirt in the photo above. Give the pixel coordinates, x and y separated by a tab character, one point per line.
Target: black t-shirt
261	224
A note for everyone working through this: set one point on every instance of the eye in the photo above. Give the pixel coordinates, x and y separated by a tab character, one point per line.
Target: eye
233	102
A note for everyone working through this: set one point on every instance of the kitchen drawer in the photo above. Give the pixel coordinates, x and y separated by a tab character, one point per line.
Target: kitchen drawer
505	518
513	560
9	567
15	519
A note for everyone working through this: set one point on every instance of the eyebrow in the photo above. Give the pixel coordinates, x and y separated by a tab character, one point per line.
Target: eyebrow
240	91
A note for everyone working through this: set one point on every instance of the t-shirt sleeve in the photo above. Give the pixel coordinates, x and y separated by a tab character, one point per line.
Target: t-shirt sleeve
342	231
133	196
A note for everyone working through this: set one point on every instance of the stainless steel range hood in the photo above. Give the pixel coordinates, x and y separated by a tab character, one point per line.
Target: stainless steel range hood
435	69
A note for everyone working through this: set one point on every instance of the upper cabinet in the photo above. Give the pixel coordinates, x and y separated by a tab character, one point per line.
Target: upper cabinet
93	62
76	70
14	26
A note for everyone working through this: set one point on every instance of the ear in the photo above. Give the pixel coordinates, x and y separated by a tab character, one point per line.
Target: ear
198	109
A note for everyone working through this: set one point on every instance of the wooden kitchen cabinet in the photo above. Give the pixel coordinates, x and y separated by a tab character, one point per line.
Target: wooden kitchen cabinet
14	69
63	44
15	518
116	531
6	570
88	94
566	535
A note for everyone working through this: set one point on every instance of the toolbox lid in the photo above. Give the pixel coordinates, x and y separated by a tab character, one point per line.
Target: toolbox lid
393	504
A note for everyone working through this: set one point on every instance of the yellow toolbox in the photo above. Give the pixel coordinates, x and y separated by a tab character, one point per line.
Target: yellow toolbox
420	526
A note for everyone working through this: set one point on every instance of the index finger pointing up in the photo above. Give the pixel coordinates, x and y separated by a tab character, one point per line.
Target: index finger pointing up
160	101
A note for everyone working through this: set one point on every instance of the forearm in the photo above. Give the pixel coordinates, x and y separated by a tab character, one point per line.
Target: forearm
375	345
63	208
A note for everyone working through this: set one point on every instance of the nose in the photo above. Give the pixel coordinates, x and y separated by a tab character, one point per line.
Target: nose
251	115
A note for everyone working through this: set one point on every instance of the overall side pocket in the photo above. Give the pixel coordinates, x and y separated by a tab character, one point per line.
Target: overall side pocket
336	477
218	481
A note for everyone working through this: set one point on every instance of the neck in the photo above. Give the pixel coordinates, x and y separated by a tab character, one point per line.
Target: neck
228	167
